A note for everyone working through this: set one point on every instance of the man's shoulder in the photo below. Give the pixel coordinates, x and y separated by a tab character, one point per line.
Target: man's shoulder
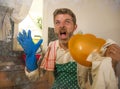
53	42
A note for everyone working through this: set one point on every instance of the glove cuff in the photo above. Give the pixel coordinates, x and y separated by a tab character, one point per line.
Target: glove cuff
31	63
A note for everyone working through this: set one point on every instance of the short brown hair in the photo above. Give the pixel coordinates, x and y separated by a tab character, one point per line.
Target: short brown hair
65	11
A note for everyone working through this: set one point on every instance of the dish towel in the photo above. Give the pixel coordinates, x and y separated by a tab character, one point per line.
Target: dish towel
48	62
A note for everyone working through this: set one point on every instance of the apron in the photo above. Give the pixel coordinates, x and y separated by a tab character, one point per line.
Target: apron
66	76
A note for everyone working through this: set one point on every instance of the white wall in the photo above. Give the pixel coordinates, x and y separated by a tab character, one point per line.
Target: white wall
99	17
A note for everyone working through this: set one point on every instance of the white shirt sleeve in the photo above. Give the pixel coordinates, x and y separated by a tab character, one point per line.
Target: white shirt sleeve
33	76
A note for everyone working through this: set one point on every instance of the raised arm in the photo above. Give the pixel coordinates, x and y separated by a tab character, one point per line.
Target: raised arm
30	49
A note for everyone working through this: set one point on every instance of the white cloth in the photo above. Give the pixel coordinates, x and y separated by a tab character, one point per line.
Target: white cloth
103	75
102	71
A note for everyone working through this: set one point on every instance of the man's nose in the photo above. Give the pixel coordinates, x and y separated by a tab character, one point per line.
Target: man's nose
62	25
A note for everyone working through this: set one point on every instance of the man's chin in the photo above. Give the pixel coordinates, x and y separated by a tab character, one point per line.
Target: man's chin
64	41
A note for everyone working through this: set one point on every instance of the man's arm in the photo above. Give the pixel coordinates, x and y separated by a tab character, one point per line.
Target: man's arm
25	40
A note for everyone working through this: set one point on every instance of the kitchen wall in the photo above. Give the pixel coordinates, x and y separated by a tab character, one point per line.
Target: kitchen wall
99	17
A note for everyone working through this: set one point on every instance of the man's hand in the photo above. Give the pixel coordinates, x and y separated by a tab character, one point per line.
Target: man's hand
113	51
27	43
25	40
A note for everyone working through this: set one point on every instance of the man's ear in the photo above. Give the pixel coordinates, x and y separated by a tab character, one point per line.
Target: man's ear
75	27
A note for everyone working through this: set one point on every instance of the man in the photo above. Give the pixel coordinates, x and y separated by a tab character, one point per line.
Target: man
57	58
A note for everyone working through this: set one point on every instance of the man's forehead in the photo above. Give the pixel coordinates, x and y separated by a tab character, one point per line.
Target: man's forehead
63	16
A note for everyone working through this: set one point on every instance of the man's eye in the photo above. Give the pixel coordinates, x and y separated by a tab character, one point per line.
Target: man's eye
67	21
57	23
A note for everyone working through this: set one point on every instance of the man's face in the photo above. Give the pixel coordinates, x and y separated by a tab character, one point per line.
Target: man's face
64	27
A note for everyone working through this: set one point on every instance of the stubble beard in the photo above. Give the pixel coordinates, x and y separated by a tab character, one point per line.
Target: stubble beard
65	41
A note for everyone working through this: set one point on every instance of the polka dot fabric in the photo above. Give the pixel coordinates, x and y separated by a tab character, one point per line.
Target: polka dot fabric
66	76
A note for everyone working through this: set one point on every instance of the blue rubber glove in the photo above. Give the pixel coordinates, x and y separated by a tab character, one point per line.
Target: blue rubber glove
25	40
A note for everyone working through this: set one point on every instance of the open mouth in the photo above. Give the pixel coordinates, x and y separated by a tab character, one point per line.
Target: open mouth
63	35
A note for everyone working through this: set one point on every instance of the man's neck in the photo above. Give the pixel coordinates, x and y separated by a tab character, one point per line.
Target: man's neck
64	45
